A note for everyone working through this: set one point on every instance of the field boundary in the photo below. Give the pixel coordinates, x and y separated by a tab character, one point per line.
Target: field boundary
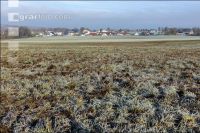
97	40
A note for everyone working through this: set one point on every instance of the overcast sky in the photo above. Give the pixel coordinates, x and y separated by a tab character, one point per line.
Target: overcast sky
114	14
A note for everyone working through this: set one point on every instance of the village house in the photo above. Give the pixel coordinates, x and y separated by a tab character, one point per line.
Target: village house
153	32
58	33
71	33
86	32
136	34
50	33
40	34
93	34
191	33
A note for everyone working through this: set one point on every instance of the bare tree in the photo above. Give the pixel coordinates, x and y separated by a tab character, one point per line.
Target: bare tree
24	32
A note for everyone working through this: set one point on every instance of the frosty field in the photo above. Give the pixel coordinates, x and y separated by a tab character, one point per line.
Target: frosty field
104	39
101	87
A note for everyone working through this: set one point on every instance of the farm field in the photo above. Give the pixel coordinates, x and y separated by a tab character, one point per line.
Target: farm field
103	39
101	87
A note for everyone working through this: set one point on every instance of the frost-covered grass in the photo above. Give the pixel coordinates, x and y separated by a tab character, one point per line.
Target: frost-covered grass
109	87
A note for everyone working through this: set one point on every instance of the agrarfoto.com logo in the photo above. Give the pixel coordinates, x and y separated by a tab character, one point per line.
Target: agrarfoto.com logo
16	17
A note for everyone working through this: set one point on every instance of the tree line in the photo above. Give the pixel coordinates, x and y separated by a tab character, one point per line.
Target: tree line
24	32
